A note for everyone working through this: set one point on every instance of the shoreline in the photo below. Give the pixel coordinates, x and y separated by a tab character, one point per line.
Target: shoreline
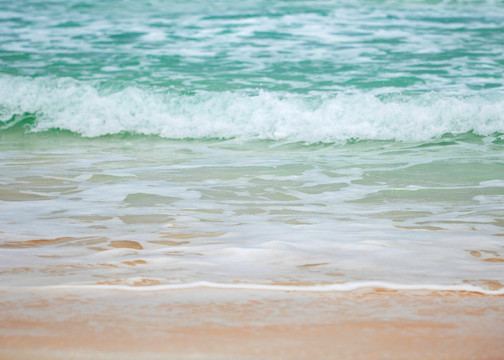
140	284
210	323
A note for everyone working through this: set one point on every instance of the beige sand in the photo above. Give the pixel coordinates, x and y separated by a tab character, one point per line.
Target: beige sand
245	324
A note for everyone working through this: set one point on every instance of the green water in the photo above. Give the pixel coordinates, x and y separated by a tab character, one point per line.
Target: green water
298	47
242	141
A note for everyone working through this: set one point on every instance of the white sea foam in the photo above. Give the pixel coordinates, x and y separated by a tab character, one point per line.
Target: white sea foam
86	109
341	287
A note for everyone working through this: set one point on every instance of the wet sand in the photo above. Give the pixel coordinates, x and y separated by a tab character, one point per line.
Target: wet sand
249	324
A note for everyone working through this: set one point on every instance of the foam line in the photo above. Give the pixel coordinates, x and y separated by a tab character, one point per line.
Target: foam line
345	287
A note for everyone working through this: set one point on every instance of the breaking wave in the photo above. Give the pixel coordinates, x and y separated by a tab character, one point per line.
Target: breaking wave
93	110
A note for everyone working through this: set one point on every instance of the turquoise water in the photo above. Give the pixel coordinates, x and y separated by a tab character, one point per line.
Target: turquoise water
169	142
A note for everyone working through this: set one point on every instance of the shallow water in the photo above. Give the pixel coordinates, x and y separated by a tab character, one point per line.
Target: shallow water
261	143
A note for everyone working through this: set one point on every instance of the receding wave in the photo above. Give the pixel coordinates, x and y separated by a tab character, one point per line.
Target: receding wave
92	110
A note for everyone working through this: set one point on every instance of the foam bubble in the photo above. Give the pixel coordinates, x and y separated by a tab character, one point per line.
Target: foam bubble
91	110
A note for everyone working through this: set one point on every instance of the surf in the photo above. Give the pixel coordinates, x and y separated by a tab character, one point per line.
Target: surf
91	110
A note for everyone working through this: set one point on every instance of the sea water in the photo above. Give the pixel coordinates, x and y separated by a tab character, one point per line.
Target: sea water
321	144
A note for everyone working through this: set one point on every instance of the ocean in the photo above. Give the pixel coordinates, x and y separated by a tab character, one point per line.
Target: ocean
315	145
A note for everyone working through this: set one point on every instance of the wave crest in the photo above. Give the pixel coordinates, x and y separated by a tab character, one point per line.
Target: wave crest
92	111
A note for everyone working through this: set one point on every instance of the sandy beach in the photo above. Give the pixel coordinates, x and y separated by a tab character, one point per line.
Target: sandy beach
250	324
